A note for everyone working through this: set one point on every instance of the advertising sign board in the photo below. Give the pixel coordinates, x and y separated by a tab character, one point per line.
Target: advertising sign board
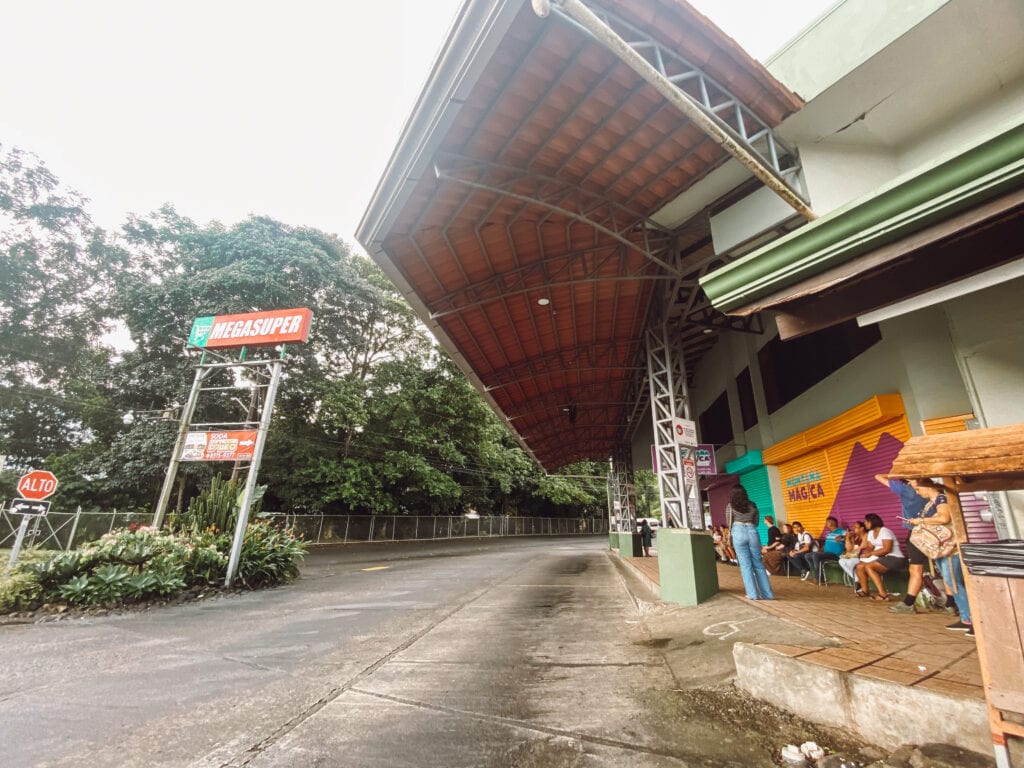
705	456
685	432
219	446
252	329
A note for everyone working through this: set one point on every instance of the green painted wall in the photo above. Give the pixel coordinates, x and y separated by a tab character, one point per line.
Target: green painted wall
686	566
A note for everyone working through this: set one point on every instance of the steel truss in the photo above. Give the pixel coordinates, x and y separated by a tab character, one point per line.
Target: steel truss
666	375
709	317
711	106
623	488
612	355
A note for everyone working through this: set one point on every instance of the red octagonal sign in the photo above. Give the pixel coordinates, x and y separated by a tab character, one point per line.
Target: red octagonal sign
37	485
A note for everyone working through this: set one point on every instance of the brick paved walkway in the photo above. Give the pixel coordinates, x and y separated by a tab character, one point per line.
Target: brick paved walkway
909	649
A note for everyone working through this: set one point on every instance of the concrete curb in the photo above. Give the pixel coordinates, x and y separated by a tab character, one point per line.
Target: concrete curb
881	712
636	573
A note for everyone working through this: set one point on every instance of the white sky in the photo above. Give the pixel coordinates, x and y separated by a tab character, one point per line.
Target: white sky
226	108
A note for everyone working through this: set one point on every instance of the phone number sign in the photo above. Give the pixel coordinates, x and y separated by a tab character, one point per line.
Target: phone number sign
219	446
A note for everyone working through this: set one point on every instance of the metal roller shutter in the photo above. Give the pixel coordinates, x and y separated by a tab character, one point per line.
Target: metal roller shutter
758	489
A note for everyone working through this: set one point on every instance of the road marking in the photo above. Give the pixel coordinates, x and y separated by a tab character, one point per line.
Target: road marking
377	568
718	629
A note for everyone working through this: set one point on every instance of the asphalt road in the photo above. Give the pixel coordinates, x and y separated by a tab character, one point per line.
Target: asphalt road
522	652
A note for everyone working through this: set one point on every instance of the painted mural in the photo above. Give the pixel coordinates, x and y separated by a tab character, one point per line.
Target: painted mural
830	468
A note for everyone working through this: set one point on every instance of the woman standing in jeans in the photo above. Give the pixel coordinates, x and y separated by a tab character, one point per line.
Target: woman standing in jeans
741	515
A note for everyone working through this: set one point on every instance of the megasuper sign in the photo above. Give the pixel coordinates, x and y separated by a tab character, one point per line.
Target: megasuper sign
277	326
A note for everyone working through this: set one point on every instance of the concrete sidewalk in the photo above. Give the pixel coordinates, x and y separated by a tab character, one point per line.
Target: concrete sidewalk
891	678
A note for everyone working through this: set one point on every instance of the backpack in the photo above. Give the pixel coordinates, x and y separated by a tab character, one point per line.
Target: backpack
932	596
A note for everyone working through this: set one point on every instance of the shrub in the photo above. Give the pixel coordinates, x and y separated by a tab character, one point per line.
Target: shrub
135	564
269	556
19	591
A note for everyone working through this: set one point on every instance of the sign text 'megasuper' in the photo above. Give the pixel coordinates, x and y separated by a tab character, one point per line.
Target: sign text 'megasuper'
277	326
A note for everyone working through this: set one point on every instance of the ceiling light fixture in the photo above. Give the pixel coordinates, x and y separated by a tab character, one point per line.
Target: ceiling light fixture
543	302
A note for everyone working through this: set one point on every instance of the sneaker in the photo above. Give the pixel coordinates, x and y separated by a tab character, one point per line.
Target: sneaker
806	576
902	608
970	631
958	627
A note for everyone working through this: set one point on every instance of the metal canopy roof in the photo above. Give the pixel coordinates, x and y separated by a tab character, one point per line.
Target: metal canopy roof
515	212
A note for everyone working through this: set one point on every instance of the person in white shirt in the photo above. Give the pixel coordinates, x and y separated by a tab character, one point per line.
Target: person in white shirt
884	555
797	556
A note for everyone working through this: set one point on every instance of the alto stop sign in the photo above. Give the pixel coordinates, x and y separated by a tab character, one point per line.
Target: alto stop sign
37	484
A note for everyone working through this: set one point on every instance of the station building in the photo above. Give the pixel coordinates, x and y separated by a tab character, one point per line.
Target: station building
613	218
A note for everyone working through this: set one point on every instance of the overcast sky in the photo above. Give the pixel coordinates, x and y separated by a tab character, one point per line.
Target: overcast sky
226	108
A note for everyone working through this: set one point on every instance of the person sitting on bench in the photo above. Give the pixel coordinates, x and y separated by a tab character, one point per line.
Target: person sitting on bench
856	542
832	547
805	545
885	556
774	554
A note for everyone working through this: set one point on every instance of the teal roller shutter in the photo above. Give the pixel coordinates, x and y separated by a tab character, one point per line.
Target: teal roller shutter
760	492
754	478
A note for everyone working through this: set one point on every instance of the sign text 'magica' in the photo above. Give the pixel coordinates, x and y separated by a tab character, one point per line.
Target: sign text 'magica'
277	326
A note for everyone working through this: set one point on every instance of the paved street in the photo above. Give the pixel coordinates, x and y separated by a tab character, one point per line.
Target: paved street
528	652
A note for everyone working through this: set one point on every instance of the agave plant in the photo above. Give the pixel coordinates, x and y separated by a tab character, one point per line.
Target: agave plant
141	584
58	569
109	583
77	590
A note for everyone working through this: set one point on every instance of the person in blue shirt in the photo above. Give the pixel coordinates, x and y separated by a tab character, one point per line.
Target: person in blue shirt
914	508
832	547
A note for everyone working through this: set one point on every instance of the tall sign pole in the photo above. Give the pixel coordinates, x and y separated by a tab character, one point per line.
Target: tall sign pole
254	468
179	444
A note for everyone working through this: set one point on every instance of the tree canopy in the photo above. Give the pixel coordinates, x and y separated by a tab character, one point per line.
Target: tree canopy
372	416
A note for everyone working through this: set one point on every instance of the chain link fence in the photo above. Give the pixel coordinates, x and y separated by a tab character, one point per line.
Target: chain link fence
67	530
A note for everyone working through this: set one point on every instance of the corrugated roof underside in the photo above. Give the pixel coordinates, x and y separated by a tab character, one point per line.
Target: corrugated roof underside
557	122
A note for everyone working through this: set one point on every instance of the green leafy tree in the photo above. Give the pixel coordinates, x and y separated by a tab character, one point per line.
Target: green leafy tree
372	416
54	302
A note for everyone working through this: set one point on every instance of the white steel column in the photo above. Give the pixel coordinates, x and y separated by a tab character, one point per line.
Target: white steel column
666	374
625	490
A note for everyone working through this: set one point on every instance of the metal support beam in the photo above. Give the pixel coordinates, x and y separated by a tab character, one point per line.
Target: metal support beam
666	374
624	489
625	226
277	367
202	371
602	264
748	138
709	317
